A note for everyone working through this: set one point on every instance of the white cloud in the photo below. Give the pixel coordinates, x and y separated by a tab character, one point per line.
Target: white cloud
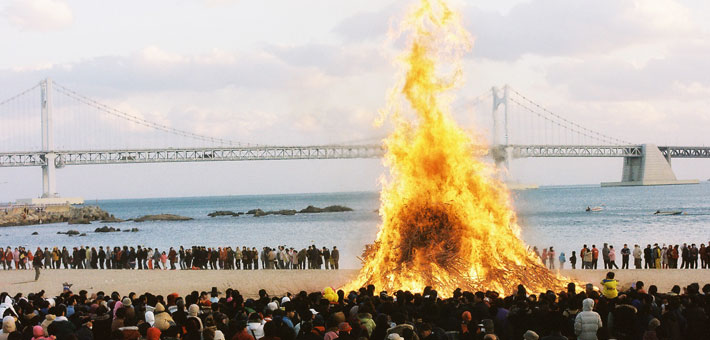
39	15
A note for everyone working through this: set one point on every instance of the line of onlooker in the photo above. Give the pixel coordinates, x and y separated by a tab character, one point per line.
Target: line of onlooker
196	257
686	256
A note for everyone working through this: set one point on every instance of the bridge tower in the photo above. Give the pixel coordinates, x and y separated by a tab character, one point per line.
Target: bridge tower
499	136
49	189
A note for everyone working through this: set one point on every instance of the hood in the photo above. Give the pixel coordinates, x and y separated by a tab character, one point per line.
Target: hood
587	305
193	310
159	308
8	324
150	318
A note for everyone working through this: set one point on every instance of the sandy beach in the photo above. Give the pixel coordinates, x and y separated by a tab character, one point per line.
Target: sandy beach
274	281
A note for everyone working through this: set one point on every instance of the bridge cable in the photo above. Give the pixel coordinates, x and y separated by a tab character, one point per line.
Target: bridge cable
601	136
140	121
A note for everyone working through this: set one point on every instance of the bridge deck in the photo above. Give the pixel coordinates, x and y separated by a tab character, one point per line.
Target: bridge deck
85	157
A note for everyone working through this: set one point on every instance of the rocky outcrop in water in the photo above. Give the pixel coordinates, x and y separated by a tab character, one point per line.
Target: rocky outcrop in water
23	215
106	229
162	217
333	208
70	232
308	210
224	213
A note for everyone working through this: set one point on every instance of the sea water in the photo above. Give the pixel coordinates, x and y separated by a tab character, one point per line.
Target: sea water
549	216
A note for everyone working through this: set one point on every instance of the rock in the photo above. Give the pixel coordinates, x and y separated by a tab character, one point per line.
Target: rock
260	213
112	219
127	230
222	213
134	230
253	211
162	217
333	208
71	232
20	215
106	229
35	233
82	234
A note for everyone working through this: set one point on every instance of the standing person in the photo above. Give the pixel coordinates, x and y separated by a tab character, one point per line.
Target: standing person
605	256
335	256
573	260
625	252
164	260
694	256
255	258
595	256
156	258
684	256
637	256
582	256
543	257
703	255
656	256
102	257
648	257
562	260
551	257
587	322
172	255
612	258
37	263
664	257
588	257
326	257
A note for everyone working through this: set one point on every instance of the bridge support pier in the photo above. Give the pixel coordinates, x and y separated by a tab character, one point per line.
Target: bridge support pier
652	168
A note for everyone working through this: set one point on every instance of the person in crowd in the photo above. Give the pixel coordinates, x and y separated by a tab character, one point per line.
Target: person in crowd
573	260
562	260
612	258
588	322
625	253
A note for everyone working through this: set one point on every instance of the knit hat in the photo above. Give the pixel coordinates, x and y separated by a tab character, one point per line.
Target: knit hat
653	324
37	331
272	306
153	334
285	299
530	335
126	302
394	336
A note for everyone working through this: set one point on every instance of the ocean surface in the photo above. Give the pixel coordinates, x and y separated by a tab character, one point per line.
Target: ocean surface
549	216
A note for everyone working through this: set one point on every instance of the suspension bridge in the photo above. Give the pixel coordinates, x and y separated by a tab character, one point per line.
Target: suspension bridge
52	126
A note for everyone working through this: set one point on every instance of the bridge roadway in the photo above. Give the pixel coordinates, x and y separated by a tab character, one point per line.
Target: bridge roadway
252	153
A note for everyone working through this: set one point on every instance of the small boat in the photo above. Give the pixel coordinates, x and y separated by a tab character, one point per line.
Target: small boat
595	209
667	213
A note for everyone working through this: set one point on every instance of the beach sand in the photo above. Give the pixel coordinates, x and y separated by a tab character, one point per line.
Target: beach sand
276	282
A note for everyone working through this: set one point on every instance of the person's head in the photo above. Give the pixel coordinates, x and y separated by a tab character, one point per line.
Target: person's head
610	275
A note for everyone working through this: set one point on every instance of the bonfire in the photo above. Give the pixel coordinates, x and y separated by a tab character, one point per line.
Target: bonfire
447	221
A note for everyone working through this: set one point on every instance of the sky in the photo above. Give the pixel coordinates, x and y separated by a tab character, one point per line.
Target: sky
315	72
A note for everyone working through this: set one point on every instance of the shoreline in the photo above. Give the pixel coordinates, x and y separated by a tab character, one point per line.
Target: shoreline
278	282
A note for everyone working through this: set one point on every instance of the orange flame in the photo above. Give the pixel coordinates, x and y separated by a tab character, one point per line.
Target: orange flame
446	221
